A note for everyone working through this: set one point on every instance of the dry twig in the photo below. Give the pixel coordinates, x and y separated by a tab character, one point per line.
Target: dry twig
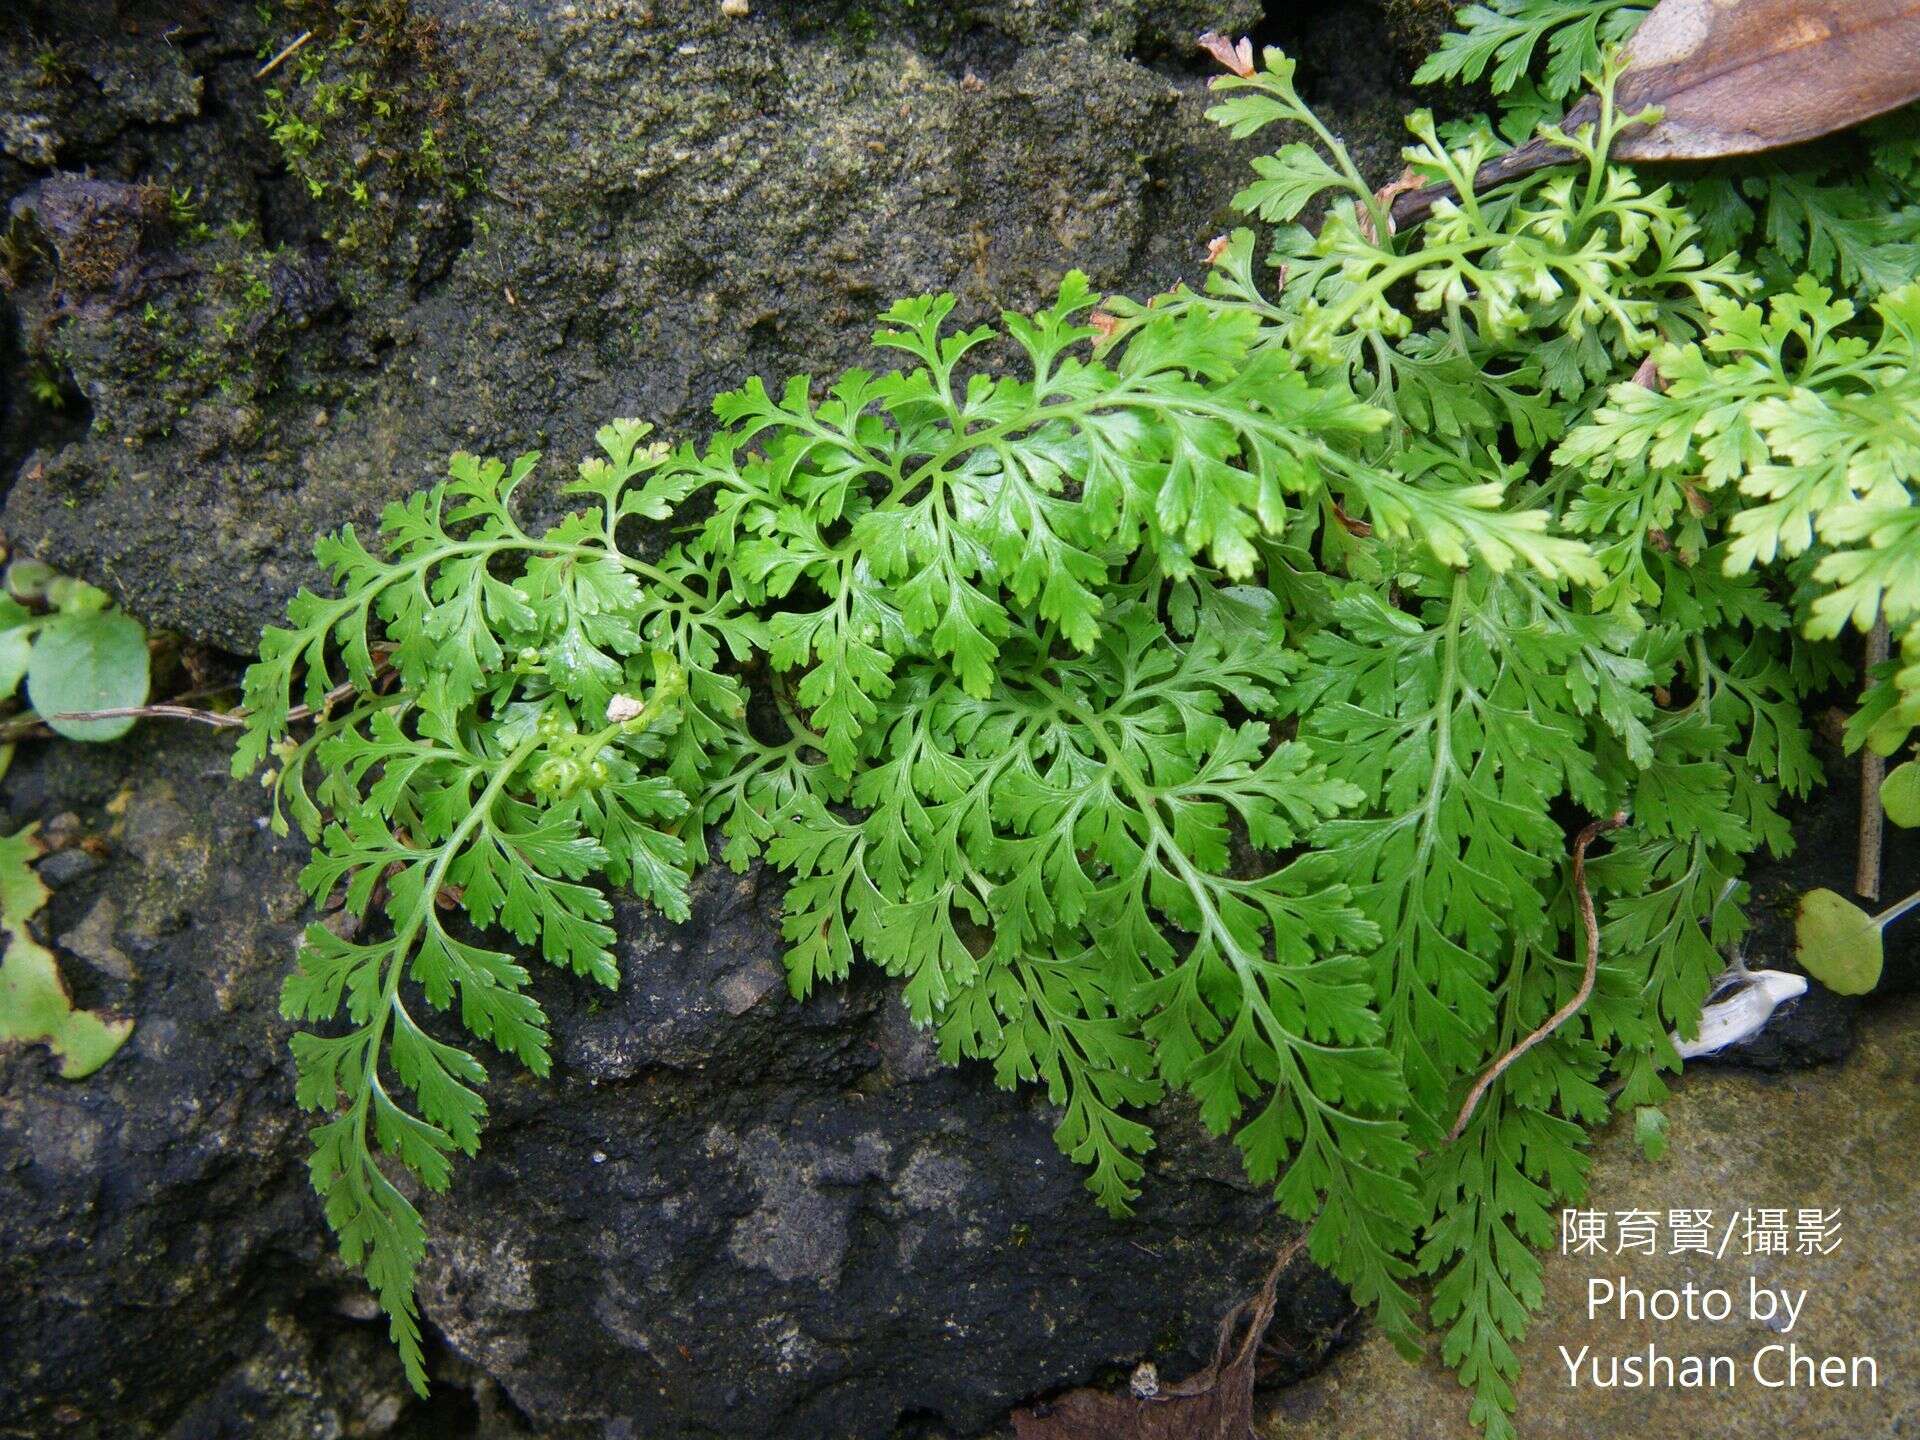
218	719
1873	770
291	50
1566	1011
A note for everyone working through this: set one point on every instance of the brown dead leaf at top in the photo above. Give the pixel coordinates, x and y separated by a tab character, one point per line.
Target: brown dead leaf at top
1736	78
1214	1403
1733	79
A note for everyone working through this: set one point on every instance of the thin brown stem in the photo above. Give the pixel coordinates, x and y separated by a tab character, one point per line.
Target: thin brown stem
30	724
1249	1320
1873	770
218	719
286	54
1567	1011
331	698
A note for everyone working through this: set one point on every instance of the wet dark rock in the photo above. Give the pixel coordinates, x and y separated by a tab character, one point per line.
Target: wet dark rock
1417	25
93	227
75	75
300	290
65	866
147	1216
671	200
728	1213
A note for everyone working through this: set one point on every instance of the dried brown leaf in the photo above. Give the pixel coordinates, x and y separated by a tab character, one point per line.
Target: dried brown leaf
1735	78
1409	180
1214	1403
1236	57
1732	77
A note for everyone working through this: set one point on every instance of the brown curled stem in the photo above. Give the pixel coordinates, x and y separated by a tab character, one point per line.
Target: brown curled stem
1249	1319
218	719
1567	1011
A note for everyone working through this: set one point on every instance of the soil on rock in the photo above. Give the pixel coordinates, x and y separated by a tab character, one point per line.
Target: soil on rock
1838	1140
633	207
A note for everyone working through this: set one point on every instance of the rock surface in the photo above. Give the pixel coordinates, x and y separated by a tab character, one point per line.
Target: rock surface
1837	1139
727	1214
643	202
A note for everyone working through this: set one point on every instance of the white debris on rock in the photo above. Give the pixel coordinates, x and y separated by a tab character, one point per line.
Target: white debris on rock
1742	1012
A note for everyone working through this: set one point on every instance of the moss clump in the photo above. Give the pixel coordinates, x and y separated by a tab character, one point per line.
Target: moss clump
91	228
231	334
366	115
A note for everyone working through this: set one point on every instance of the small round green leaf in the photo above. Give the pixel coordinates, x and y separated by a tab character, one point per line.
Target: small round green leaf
1838	943
16	649
88	662
1900	795
28	579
